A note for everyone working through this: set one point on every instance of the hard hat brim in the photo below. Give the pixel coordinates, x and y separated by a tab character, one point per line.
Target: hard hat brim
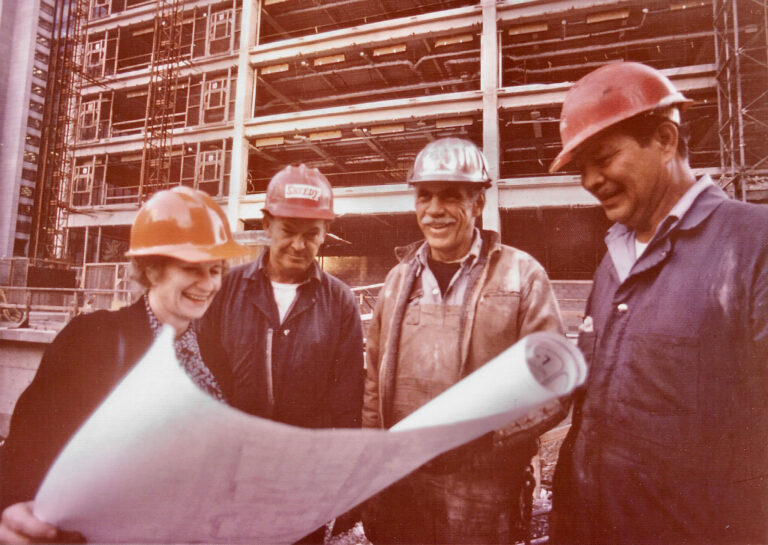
285	210
566	155
562	159
193	254
446	180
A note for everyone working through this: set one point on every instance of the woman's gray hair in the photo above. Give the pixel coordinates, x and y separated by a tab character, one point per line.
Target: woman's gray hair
141	263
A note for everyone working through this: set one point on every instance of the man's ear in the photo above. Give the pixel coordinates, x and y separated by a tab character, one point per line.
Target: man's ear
477	207
326	229
667	134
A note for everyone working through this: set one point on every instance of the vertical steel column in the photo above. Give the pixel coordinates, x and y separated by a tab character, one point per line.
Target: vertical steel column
739	102
97	257
85	246
489	85
238	175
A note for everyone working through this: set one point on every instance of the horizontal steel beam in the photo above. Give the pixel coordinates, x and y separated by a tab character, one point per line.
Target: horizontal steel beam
30	336
555	191
514	193
544	191
102	215
135	142
466	102
380	33
548	191
685	78
138	15
519	11
518	97
140	78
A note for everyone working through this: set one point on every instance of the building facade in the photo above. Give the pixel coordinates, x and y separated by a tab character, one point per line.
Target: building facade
26	30
221	94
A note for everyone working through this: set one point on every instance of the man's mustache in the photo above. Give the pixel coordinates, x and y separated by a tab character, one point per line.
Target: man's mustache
441	222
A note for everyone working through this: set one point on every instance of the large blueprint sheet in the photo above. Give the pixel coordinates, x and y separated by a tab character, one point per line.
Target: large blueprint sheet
162	462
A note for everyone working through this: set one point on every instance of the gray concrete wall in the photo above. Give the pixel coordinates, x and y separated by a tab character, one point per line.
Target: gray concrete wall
18	364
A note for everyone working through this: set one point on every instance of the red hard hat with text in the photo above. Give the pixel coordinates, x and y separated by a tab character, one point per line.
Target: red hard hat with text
183	223
300	192
611	94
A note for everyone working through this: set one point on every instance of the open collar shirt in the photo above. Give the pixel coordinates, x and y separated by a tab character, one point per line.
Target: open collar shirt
457	288
620	240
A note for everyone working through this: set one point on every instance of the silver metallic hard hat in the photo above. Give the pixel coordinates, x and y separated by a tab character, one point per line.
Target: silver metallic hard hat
450	160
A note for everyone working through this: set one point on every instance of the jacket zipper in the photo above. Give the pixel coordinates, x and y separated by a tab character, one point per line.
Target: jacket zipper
270	383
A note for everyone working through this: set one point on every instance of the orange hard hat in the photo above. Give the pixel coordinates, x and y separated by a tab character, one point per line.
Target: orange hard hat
300	192
611	94
183	223
450	159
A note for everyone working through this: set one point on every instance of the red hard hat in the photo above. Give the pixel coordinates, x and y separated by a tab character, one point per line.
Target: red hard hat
609	95
450	160
300	192
183	223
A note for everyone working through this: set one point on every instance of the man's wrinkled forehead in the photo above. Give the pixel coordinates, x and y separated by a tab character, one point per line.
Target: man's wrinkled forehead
443	189
300	223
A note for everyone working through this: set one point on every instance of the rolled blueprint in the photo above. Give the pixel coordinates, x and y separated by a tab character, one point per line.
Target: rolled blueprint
162	462
536	369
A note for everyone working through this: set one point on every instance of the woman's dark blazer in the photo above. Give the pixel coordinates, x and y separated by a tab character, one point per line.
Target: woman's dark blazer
77	372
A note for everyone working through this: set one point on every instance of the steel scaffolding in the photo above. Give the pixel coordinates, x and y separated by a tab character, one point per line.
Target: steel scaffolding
59	130
741	54
161	98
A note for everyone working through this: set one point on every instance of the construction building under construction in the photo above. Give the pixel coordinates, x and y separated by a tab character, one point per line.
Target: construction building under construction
104	102
220	94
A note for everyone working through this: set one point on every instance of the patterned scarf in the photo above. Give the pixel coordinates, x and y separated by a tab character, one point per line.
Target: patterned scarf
188	354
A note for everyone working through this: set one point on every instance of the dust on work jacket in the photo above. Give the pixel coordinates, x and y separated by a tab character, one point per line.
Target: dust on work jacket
669	444
511	298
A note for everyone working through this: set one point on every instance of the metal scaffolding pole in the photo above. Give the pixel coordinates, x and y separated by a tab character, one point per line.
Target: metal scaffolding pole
161	98
59	132
741	54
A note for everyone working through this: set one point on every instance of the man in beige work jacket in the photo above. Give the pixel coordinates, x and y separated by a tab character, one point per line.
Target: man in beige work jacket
455	301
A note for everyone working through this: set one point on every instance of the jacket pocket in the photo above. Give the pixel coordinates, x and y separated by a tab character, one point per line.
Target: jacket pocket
497	314
664	371
656	389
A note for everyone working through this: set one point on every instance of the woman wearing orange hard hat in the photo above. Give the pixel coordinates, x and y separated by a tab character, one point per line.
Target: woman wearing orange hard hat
180	240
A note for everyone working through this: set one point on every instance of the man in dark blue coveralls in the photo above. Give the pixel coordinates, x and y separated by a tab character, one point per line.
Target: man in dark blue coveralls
669	442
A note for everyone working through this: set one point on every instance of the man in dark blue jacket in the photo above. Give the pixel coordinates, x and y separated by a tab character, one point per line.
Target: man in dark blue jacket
283	337
669	442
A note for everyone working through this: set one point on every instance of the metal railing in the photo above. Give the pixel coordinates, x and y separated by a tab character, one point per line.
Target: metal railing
366	298
18	302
